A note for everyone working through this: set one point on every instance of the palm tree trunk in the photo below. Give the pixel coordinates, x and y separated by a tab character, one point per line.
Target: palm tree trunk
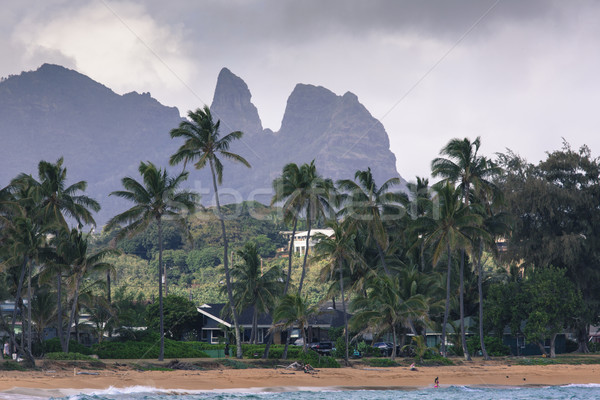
462	307
447	308
161	354
290	257
287	286
78	277
59	323
238	337
287	343
17	301
109	300
165	279
344	310
29	349
255	325
309	223
393	357
382	258
480	290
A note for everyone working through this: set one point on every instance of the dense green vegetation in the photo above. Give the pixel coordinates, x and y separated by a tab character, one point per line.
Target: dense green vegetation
493	244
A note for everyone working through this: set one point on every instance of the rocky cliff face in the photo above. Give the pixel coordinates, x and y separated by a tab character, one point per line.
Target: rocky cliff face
336	131
54	112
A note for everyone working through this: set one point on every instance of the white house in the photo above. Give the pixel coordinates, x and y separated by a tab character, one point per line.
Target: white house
300	238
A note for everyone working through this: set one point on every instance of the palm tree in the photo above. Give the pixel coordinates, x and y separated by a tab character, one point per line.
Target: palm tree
203	144
43	309
158	196
55	200
316	196
495	224
448	231
254	288
339	249
23	237
384	308
288	188
465	168
72	247
294	310
369	205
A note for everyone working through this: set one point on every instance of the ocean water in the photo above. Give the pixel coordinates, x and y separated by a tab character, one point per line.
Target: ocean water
590	391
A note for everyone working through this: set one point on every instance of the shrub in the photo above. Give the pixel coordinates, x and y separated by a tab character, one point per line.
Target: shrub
594	347
53	346
571	346
148	349
317	361
493	346
437	359
275	351
380	362
340	348
10	365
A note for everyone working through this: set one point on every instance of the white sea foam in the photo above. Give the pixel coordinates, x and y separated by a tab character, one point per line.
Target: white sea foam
582	385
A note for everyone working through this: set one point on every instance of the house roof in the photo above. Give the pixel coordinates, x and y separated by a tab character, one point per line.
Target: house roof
213	311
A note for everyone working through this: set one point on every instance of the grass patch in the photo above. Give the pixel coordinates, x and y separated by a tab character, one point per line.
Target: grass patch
68	356
437	360
150	367
380	362
233	364
567	359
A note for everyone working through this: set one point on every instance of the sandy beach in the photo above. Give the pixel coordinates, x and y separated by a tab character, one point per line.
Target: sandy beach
474	373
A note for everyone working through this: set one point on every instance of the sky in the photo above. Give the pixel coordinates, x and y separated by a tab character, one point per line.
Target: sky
521	74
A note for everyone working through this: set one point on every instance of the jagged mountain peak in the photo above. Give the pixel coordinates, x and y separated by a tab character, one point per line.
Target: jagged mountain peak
232	104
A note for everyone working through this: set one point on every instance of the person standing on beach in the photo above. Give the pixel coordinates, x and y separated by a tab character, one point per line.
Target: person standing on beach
436	382
6	349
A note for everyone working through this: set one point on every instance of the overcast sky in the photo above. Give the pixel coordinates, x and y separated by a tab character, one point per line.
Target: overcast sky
520	74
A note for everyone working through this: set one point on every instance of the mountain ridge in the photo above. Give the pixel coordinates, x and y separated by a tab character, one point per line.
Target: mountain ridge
54	111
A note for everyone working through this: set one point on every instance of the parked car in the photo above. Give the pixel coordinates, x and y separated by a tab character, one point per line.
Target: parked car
322	347
386	348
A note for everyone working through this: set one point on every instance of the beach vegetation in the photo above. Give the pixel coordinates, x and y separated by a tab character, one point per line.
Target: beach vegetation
317	360
67	356
380	362
493	344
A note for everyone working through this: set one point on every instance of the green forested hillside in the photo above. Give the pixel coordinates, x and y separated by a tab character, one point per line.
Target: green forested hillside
194	258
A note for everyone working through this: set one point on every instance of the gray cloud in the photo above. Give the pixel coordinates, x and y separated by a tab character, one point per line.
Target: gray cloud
523	78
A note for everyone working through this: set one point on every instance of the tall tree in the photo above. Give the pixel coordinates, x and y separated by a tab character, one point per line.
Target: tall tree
288	188
317	195
203	143
23	237
449	230
253	288
157	197
385	309
371	205
56	202
339	250
556	221
465	168
72	248
294	310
